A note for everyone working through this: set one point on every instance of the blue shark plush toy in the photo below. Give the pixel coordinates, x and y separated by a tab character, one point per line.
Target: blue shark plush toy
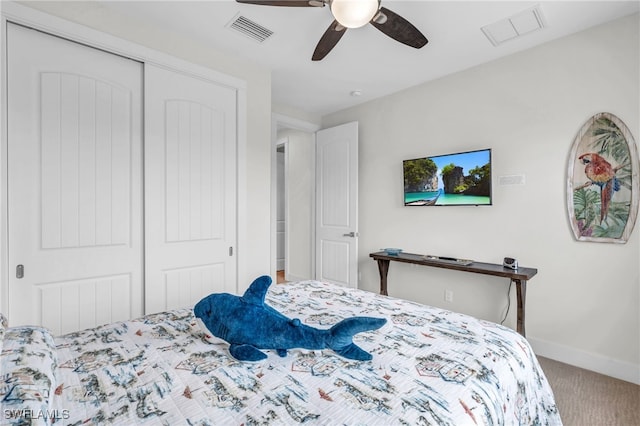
249	325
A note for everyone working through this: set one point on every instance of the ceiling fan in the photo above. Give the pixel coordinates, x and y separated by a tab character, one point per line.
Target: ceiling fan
354	14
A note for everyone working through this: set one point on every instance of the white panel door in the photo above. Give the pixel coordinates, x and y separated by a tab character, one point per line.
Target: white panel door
337	205
190	197
74	183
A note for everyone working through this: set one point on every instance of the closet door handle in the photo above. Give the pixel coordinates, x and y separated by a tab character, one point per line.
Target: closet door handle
20	271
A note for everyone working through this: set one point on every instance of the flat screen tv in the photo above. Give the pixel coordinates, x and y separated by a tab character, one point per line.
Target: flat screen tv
459	179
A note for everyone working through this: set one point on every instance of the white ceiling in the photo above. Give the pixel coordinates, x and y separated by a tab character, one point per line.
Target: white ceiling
365	59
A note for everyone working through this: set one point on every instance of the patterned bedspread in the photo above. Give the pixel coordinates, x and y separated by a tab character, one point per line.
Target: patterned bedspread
430	367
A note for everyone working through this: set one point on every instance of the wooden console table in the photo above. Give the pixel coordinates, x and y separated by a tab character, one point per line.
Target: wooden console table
518	276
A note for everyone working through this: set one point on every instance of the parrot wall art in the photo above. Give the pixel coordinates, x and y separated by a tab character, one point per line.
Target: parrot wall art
600	172
603	182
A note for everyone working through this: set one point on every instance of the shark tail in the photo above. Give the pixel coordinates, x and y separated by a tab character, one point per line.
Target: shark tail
341	340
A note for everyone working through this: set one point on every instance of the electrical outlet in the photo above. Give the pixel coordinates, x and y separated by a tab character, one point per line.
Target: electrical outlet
448	295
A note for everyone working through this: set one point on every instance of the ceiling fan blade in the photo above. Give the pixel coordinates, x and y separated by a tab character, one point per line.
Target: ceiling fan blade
328	40
287	3
398	28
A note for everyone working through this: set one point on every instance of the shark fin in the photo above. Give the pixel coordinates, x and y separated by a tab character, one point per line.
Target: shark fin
342	333
353	351
257	290
246	353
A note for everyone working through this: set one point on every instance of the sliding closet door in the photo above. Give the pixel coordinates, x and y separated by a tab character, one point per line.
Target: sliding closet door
74	183
190	189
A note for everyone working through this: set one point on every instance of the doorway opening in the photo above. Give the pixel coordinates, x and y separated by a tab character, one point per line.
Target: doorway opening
293	199
319	239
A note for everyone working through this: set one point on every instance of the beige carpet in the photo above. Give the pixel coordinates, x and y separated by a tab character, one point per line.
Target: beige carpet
585	398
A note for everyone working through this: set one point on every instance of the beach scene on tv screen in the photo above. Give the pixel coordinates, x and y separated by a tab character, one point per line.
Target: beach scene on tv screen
455	179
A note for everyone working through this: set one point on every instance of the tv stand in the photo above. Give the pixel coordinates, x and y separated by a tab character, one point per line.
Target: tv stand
518	276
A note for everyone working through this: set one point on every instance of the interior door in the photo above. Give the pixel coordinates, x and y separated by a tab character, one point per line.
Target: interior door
74	183
337	204
190	189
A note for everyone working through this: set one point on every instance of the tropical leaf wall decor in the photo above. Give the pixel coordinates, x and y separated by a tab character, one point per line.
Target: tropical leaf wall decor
602	181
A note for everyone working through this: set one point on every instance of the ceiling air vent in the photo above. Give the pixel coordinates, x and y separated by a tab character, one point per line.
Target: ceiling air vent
249	28
515	26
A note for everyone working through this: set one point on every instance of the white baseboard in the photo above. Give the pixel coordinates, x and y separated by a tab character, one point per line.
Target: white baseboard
589	361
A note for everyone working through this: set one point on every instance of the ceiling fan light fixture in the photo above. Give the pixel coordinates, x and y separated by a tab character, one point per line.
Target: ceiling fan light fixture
354	13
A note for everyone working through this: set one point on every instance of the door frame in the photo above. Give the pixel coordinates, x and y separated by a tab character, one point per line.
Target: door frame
281	121
29	17
284	143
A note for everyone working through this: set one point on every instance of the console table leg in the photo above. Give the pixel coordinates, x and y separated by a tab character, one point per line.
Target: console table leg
521	295
383	268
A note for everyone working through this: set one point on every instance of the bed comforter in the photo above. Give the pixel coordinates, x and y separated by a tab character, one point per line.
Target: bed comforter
430	367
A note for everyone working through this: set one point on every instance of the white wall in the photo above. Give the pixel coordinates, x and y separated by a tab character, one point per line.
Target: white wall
583	307
254	246
296	114
299	204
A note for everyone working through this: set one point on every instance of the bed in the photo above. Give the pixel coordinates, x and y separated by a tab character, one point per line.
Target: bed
430	367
